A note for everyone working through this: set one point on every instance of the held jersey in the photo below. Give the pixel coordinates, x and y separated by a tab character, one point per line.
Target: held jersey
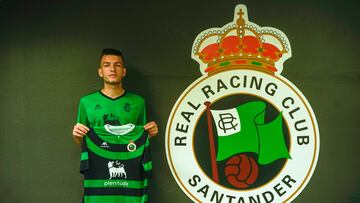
116	164
97	109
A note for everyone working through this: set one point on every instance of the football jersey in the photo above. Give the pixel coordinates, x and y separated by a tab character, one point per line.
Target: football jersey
97	109
116	164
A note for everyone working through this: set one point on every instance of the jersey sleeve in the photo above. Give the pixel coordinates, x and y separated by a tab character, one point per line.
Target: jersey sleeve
84	158
82	115
146	160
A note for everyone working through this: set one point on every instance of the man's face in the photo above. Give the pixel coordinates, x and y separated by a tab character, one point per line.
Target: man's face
112	69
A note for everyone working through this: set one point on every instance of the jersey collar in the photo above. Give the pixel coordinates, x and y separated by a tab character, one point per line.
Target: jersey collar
119	130
110	97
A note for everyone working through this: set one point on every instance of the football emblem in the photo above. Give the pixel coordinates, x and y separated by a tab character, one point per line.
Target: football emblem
247	132
241	171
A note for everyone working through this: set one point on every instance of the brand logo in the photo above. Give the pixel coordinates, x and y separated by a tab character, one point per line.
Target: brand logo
247	132
97	107
111	119
116	169
104	145
116	183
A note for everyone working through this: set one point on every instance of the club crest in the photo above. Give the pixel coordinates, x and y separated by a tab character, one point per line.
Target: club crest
242	132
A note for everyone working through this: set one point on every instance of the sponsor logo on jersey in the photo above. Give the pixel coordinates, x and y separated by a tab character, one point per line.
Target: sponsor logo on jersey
116	170
111	119
247	132
116	183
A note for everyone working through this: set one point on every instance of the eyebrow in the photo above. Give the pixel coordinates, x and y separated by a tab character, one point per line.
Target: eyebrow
107	63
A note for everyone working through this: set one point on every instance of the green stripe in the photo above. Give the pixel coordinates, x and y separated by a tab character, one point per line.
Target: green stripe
114	155
116	183
147	142
225	63
256	63
115	199
148	166
84	156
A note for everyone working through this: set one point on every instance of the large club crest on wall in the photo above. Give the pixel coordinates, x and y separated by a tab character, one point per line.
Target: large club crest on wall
242	132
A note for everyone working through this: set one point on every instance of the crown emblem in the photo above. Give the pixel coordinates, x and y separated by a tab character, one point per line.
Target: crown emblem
241	44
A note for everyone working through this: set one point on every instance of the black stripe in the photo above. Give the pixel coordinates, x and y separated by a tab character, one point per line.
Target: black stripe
115	147
84	166
148	174
115	191
146	155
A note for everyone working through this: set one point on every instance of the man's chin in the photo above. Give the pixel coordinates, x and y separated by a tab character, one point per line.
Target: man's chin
113	82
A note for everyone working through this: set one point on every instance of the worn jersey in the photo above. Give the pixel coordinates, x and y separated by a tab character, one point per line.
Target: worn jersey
116	164
97	109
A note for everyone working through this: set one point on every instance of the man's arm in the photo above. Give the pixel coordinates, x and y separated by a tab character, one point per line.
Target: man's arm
79	131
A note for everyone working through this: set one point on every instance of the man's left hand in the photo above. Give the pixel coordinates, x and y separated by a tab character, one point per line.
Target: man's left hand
152	128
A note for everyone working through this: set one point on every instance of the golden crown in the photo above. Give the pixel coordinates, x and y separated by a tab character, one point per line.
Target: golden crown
241	43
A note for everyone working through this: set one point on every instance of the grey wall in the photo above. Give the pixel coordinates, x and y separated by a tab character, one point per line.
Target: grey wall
48	59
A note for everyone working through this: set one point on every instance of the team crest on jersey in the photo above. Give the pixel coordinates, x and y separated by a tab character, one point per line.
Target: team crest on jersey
116	170
242	132
127	107
131	147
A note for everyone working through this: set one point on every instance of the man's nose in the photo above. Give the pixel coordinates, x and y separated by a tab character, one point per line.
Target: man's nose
112	67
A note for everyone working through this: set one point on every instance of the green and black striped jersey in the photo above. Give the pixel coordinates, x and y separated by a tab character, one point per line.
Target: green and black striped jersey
116	164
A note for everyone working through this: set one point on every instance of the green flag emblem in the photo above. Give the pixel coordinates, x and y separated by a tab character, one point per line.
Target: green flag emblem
243	129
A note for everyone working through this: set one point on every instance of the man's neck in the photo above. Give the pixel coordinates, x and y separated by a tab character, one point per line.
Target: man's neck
113	91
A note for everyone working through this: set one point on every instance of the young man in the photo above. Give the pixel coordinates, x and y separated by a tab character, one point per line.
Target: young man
112	104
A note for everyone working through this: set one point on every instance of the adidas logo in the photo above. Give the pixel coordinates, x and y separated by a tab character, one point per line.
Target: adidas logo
104	145
97	107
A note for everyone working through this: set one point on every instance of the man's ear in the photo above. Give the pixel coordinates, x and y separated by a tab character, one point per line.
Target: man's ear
124	72
100	72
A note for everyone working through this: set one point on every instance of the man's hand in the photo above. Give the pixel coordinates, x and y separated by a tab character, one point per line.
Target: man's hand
79	132
152	128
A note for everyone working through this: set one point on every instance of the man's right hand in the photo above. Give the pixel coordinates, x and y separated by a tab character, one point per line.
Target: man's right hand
79	132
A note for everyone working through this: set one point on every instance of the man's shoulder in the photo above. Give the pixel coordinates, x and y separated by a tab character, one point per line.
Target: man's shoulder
90	96
134	96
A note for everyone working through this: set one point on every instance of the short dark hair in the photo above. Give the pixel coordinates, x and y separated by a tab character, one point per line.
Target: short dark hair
111	51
